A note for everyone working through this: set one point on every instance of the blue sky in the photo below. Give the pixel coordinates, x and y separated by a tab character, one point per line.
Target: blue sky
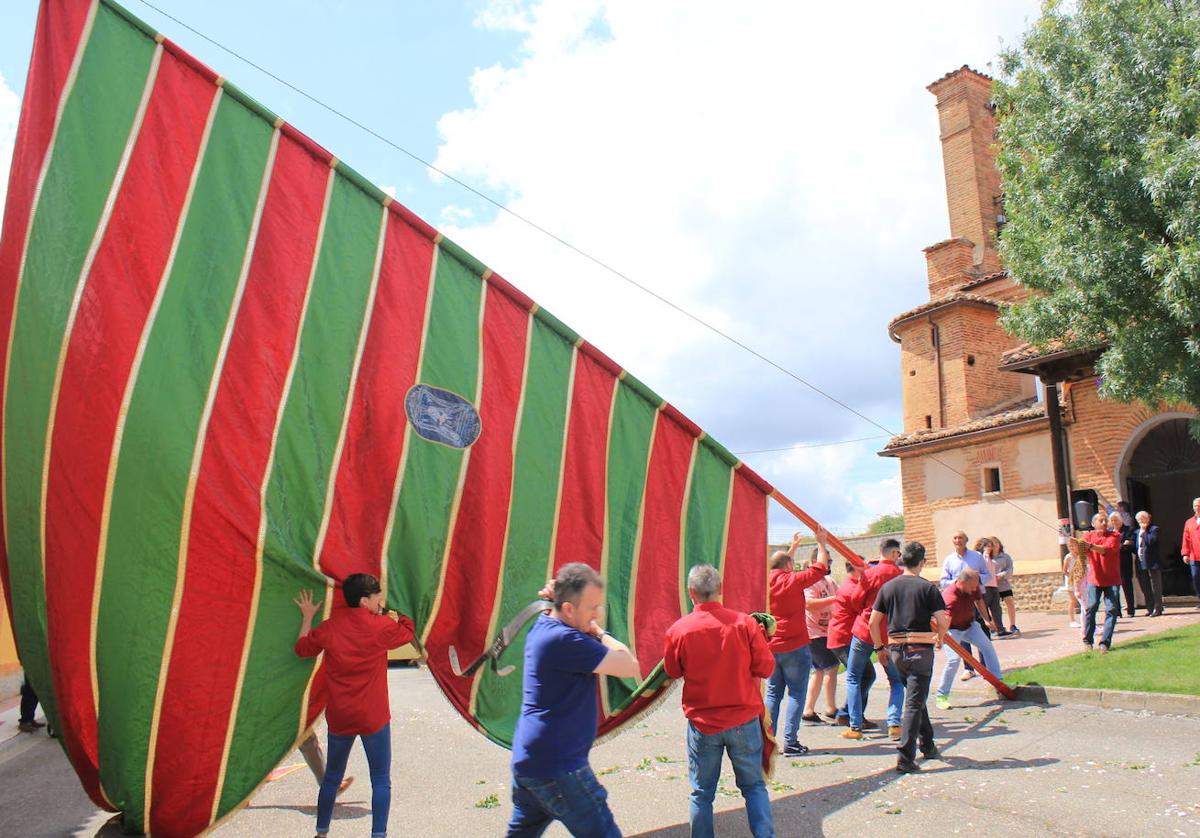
773	167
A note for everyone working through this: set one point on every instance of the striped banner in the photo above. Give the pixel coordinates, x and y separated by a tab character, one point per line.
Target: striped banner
234	369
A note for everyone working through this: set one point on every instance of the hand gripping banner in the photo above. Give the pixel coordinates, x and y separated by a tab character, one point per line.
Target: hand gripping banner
234	369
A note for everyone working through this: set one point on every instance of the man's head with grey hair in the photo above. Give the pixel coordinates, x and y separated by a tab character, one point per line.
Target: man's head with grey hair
968	579
704	583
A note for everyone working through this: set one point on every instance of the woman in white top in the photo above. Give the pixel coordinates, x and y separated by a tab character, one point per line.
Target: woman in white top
819	601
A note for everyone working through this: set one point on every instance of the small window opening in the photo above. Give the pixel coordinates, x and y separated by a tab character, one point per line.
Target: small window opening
928	422
991	480
970	360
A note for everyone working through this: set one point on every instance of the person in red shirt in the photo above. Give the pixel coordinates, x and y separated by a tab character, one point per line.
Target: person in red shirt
789	645
860	671
1103	580
355	641
964	602
846	605
721	654
1191	546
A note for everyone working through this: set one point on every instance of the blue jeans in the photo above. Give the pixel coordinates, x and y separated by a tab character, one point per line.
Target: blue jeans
745	744
842	653
973	633
1195	568
575	798
1111	594
378	746
791	673
860	675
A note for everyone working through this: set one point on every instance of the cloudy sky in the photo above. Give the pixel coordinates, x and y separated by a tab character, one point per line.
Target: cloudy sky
771	167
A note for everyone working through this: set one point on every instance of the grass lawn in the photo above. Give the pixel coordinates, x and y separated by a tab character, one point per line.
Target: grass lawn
1160	663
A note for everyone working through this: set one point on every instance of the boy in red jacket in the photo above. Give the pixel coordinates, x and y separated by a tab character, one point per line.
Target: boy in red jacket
355	641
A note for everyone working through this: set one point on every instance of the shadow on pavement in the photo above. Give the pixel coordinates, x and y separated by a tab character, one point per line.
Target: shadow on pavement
804	813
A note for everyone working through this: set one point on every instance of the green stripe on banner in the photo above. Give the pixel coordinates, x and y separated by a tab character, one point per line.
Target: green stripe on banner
158	443
450	360
707	510
269	713
531	516
88	148
629	441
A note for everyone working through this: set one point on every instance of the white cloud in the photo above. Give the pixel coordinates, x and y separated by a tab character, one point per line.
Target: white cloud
773	167
388	190
10	109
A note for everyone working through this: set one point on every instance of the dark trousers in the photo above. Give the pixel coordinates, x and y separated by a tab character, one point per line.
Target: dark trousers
991	598
1127	581
1150	581
915	665
29	702
1194	567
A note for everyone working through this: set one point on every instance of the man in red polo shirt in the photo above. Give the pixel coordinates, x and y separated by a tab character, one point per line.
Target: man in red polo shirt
846	605
963	601
860	671
793	659
1191	546
721	654
1104	579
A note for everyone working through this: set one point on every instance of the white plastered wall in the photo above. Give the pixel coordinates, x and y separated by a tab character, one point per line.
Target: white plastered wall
1032	544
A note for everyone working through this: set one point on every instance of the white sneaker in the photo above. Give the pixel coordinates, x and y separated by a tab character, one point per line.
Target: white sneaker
1075	624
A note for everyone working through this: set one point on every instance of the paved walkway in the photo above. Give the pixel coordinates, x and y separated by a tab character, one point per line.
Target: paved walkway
1010	768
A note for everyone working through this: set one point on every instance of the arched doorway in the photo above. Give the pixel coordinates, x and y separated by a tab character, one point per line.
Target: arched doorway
1161	472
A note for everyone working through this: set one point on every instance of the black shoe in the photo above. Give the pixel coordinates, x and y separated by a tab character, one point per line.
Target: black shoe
812	719
795	750
904	766
931	753
1004	633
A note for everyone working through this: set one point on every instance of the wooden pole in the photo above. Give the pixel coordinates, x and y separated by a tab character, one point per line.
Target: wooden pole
852	557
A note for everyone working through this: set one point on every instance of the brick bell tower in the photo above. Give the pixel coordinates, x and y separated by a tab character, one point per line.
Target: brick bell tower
951	345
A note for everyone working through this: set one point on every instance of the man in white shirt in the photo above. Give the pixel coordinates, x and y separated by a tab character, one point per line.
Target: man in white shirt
961	557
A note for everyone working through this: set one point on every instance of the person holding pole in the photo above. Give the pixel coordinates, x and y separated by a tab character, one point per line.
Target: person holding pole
963	601
721	655
789	644
916	619
1103	580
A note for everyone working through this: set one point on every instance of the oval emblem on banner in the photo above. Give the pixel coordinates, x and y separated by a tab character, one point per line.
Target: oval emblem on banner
442	416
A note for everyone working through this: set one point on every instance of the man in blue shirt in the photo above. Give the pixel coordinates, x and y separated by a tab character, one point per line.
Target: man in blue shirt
962	557
564	652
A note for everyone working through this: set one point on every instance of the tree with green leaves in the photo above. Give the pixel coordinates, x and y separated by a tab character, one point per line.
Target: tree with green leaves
1099	154
892	522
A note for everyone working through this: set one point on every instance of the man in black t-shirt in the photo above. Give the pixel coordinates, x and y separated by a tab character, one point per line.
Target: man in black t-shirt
916	621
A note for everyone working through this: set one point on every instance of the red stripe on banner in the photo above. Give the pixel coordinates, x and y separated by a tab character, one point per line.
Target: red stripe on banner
55	42
112	312
475	559
580	534
656	600
210	633
375	432
744	571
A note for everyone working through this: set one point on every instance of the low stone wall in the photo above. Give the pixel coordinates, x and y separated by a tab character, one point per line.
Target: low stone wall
1035	592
